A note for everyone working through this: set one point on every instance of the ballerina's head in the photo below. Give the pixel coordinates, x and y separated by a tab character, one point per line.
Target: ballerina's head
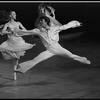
12	15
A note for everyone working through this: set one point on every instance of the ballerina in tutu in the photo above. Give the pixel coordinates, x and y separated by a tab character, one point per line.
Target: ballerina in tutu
49	36
14	43
14	47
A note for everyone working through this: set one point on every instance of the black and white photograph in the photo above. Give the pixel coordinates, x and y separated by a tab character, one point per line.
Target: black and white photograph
49	50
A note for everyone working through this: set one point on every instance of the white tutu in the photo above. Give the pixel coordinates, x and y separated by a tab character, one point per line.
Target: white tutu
14	45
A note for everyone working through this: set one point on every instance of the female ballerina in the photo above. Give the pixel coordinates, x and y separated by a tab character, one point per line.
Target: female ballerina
14	43
49	36
14	46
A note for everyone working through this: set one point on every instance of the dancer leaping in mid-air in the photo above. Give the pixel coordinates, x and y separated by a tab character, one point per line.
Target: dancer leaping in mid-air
49	36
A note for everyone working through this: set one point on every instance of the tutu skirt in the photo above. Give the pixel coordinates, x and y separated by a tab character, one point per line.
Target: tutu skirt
14	45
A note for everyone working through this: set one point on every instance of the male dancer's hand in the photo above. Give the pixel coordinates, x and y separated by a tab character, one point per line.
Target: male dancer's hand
74	24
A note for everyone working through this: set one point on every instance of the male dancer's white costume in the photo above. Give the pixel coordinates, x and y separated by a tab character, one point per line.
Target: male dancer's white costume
50	41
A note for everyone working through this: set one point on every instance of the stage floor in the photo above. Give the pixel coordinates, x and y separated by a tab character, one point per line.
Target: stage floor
56	77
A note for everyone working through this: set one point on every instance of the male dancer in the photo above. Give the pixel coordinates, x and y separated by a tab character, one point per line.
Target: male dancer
50	37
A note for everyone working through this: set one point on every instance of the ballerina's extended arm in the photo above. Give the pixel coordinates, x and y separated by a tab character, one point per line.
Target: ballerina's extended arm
21	26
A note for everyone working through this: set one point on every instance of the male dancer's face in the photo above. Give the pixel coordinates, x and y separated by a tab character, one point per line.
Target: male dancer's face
44	25
42	29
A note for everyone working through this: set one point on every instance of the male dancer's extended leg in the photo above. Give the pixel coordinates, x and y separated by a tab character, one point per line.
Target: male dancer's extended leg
59	50
55	50
25	66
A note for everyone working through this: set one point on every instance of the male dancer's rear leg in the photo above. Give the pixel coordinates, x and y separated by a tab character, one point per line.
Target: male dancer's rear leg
25	66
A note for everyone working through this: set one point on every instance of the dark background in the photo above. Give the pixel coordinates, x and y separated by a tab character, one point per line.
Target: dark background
57	77
87	13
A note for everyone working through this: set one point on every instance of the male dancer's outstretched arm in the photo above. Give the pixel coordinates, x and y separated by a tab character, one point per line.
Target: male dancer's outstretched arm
27	32
71	24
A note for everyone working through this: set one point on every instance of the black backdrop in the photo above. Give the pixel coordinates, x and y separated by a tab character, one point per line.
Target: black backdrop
87	13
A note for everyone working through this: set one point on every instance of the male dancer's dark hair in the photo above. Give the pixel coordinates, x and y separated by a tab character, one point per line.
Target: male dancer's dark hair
40	19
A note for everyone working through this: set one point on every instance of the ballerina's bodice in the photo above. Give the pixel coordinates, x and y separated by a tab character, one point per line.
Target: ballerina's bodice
12	38
15	43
